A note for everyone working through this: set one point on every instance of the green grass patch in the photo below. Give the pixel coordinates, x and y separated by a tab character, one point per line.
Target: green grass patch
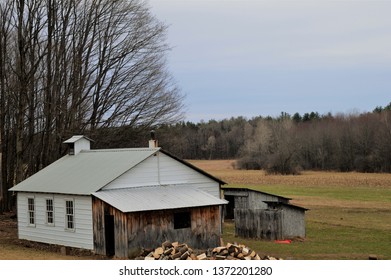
323	242
334	192
342	223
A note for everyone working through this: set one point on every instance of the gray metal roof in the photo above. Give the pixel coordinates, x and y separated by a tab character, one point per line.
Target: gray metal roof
157	198
277	203
75	138
84	173
234	189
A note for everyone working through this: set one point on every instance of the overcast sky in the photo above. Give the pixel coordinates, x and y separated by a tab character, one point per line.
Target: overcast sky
253	57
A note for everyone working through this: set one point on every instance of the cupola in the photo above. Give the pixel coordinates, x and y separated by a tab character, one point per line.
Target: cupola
77	143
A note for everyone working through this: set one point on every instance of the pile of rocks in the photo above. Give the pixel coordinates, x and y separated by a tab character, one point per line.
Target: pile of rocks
181	251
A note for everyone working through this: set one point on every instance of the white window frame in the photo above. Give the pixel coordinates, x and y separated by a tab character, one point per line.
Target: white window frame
31	219
48	211
69	215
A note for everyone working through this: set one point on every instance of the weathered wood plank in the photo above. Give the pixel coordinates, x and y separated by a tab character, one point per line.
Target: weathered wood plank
258	223
138	230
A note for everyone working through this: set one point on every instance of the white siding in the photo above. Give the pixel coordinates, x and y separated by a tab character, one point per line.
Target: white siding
143	174
81	144
174	172
164	170
80	237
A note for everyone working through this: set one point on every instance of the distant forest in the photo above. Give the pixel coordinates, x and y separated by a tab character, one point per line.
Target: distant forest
285	144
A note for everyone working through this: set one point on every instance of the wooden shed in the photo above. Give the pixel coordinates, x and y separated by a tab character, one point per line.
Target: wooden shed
259	214
115	201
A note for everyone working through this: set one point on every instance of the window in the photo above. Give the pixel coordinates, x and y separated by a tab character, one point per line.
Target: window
69	215
31	211
182	220
49	211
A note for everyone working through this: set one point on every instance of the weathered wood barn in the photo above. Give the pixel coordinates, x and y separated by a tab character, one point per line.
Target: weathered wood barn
116	201
263	215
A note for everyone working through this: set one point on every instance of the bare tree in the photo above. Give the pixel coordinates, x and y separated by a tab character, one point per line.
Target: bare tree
74	67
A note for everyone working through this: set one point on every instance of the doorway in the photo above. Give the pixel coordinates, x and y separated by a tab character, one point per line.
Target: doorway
230	207
109	235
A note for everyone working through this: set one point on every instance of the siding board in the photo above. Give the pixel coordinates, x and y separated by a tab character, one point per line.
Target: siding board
262	215
151	228
258	223
164	170
81	237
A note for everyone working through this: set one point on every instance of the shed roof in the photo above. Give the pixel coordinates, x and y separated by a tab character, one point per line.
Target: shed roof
84	173
157	198
247	189
271	203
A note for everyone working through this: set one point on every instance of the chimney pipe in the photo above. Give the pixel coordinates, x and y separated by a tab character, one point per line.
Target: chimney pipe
153	143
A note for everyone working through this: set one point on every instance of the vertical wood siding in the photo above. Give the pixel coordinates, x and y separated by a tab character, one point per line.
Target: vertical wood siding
99	226
282	223
150	229
80	237
293	221
258	223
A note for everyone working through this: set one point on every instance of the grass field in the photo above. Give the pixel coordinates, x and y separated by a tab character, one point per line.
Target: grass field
349	216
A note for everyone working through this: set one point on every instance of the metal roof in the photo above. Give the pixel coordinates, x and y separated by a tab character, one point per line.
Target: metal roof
84	173
234	189
285	204
75	138
157	198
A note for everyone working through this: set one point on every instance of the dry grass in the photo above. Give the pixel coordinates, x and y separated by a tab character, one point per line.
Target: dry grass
349	215
224	169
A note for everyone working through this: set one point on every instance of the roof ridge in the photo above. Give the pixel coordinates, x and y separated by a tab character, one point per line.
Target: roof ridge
120	150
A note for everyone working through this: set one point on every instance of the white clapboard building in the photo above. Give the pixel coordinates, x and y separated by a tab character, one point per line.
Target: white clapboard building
113	201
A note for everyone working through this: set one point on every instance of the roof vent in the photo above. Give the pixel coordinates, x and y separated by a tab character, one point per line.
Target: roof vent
77	143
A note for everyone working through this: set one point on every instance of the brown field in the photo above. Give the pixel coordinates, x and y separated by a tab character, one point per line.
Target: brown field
349	216
224	169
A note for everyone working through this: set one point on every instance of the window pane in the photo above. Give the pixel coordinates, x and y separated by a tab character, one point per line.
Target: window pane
31	219
69	214
31	211
50	218
49	211
70	221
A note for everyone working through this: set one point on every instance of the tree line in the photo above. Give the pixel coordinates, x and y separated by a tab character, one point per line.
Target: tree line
75	67
97	67
288	144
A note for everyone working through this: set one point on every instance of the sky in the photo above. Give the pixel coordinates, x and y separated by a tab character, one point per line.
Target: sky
262	57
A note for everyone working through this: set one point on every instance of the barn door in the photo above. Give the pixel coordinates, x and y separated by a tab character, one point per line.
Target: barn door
109	235
229	208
